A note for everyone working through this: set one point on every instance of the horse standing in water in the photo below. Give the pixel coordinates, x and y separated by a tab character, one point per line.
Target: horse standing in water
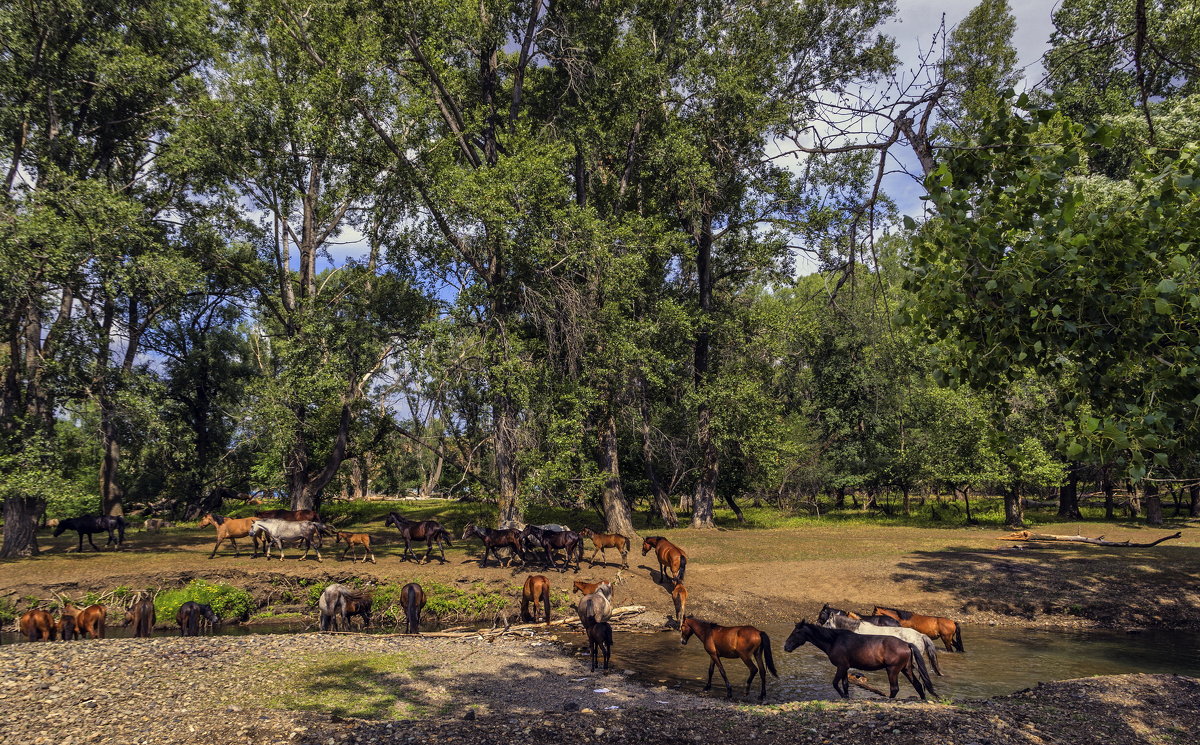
679	598
595	607
911	636
424	530
669	556
600	640
732	642
89	524
413	599
90	622
935	627
828	611
141	615
846	650
189	615
537	589
37	625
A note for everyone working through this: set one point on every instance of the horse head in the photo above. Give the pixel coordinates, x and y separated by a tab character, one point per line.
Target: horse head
798	637
827	611
649	544
686	629
62	525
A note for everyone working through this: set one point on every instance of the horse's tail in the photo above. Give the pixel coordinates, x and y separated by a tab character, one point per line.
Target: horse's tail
410	611
682	566
958	636
546	600
931	653
920	665
766	648
193	622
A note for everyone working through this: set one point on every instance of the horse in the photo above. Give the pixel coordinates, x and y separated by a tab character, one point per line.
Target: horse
746	642
595	607
536	590
141	615
424	530
332	606
587	588
89	524
154	525
669	556
600	640
912	636
277	531
604	541
679	598
935	627
567	541
188	617
413	599
228	529
37	625
828	611
66	628
845	650
354	540
90	622
494	540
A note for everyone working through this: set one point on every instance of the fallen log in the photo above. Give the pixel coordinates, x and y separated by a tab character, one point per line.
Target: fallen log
861	682
1025	535
617	615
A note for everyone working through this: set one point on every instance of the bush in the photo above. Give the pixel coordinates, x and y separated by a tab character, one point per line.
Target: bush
227	601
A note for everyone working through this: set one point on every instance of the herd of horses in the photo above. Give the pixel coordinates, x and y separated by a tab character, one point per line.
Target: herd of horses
890	639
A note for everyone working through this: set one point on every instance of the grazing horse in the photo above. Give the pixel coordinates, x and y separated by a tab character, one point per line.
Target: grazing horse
587	588
911	636
935	627
845	650
228	529
549	541
332	606
355	541
277	531
66	627
89	524
37	625
604	541
536	590
423	530
413	599
597	606
669	556
494	540
141	615
90	622
745	642
600	639
679	598
188	617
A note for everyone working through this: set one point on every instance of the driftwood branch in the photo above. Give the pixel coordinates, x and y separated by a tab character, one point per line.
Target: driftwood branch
1025	535
861	682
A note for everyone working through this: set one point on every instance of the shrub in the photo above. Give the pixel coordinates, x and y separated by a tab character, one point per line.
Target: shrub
227	601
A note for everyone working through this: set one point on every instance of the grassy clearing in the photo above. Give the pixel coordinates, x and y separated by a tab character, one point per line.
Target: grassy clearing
369	686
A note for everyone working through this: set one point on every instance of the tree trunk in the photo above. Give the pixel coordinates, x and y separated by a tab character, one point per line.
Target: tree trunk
706	487
906	511
111	493
1068	495
1194	495
1109	505
839	501
617	516
1154	512
504	421
21	515
1014	513
966	492
733	505
661	502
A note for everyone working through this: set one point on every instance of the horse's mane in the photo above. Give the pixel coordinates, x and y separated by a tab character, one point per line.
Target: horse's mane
904	614
826	634
219	519
702	622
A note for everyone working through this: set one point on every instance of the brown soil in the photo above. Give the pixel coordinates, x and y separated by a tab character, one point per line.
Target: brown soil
732	576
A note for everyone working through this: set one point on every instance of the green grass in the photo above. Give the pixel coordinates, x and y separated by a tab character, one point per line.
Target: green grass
370	686
227	601
446	603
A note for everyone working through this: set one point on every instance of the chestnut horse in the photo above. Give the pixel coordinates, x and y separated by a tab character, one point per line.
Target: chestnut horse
679	598
604	541
669	556
37	625
355	540
935	627
745	642
413	599
536	590
846	649
90	622
228	529
141	615
587	588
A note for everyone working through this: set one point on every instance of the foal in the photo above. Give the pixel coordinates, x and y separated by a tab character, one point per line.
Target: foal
604	541
745	642
599	640
90	622
37	625
356	541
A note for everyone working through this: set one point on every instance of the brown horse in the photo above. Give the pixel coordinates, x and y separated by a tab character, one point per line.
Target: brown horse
66	627
536	590
679	598
669	556
90	622
604	541
413	599
935	627
141	615
355	541
745	642
599	640
37	625
423	530
587	588
228	529
846	649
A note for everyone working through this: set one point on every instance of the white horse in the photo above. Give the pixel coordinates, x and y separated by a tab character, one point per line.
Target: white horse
912	636
277	531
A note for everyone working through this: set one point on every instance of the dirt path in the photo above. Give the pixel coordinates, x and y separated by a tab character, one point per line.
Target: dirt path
733	576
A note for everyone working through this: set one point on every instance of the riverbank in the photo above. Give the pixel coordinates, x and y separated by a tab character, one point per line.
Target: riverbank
312	689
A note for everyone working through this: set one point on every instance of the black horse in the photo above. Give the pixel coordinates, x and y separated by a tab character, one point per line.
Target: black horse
413	599
846	649
493	540
567	541
423	530
89	524
828	611
189	615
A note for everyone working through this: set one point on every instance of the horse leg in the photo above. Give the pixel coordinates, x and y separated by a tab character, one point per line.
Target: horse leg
625	558
724	677
753	671
839	677
89	535
592	560
429	549
916	684
711	666
893	674
762	673
947	639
